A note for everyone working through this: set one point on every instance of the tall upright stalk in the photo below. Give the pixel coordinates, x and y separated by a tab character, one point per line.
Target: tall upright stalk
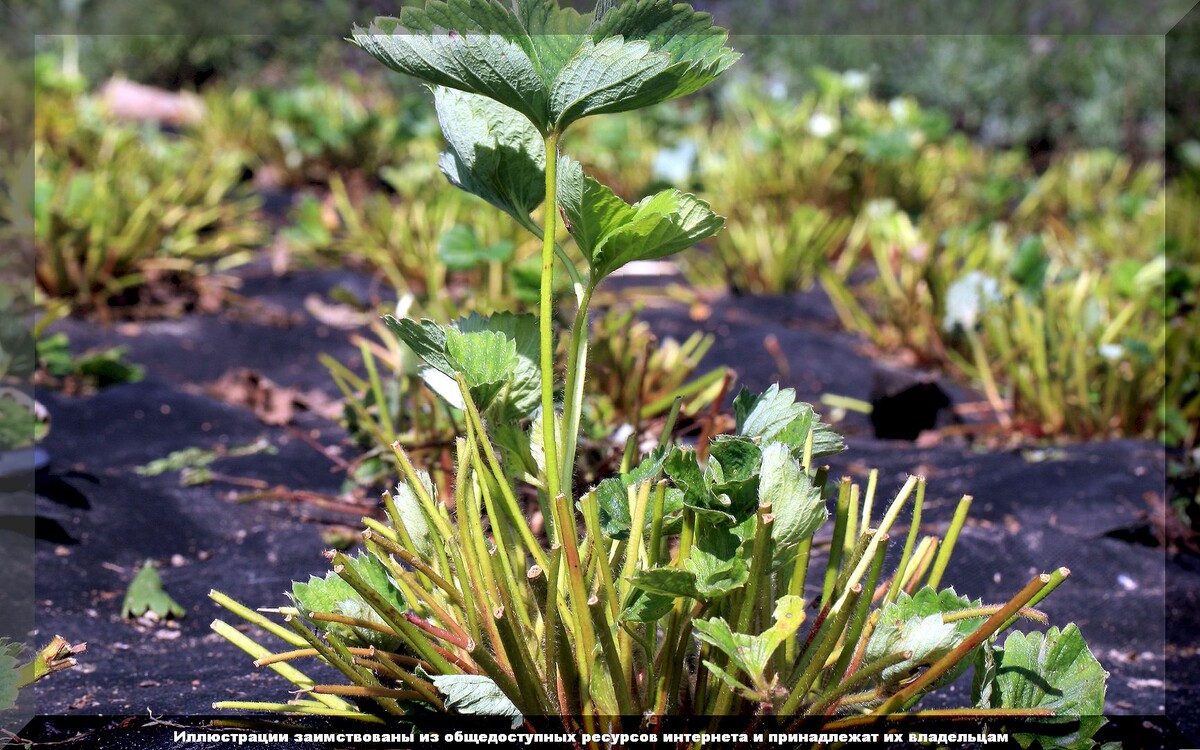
546	320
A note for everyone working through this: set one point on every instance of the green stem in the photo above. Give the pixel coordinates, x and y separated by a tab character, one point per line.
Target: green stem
836	545
823	646
573	406
546	319
511	507
287	671
290	708
254	618
1056	577
913	530
943	558
858	620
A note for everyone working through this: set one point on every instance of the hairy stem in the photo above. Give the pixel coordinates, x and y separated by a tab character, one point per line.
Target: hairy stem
546	319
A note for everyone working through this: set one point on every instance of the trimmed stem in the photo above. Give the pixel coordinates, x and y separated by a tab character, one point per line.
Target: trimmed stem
914	530
573	406
985	631
943	558
254	618
286	671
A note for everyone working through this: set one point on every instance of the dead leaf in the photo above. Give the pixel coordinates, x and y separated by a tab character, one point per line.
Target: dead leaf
341	317
271	403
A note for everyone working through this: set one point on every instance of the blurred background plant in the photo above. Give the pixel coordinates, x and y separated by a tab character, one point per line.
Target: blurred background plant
415	244
308	132
126	214
143	212
901	172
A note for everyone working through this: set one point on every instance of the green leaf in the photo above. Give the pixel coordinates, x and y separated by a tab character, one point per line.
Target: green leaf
413	517
552	64
485	359
1029	264
647	607
612	495
669	582
732	458
475	46
751	653
493	153
796	504
333	595
606	76
914	623
476	695
611	233
146	594
523	394
460	250
612	505
715	560
695	47
732	474
9	673
776	416
684	470
496	356
426	338
1055	671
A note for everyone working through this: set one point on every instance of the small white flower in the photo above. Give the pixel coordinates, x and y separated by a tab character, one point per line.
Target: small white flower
901	109
822	125
855	81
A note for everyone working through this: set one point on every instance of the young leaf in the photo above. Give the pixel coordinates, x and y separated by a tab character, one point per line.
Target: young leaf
493	153
732	473
684	470
9	676
1055	671
495	355
612	495
716	562
485	359
521	398
669	582
146	594
611	233
752	652
612	505
776	416
413	517
914	623
796	504
477	695
333	595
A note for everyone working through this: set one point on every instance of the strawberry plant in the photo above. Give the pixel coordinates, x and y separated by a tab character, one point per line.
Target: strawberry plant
677	586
